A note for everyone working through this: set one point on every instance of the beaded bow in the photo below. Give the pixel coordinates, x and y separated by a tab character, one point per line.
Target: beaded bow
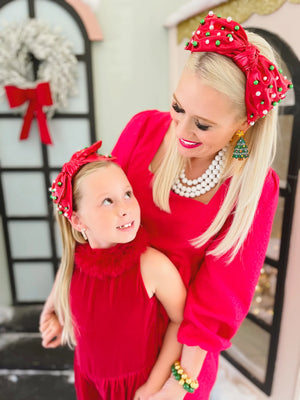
61	189
265	85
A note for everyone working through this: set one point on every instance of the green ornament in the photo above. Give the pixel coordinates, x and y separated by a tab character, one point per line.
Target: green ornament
271	67
290	85
236	28
207	34
279	89
218	43
255	82
195	44
241	150
202	21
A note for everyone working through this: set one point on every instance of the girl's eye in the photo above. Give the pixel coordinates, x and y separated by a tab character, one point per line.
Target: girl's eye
107	201
177	109
128	194
200	126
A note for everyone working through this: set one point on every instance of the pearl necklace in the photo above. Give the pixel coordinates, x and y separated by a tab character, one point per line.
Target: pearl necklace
195	187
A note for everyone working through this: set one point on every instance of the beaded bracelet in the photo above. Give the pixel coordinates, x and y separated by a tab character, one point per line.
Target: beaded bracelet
188	384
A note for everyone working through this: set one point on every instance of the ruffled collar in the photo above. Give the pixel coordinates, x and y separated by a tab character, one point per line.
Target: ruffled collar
112	261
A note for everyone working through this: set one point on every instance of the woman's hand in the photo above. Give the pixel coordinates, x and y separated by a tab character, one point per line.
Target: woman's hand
170	391
50	329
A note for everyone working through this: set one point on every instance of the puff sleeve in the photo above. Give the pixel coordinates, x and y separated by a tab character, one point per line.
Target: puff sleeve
220	295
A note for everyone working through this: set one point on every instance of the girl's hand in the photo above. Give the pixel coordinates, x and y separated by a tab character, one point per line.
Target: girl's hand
51	330
144	392
170	391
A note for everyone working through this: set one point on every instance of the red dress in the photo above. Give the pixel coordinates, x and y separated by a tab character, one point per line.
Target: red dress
115	321
219	295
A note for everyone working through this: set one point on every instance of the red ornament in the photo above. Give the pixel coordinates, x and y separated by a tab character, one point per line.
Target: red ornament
38	97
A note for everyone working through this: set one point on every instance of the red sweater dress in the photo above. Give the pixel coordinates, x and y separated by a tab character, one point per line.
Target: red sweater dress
219	295
117	342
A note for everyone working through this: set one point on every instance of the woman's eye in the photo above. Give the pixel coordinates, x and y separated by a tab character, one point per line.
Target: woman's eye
177	108
107	201
200	126
128	194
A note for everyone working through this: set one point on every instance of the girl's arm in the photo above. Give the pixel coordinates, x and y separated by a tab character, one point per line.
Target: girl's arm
162	279
192	359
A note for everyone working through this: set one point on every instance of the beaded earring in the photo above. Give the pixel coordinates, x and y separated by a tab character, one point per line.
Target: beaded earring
84	234
241	150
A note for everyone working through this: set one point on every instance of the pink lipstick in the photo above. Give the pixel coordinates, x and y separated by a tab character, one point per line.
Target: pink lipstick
188	144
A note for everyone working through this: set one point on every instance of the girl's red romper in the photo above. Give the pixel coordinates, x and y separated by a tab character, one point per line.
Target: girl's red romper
115	321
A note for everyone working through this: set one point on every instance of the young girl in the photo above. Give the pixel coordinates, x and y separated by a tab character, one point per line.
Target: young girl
108	285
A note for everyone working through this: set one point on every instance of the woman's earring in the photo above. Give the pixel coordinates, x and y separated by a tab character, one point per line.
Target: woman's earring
84	234
241	150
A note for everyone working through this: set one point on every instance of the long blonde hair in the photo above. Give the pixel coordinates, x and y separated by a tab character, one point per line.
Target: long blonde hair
247	177
70	237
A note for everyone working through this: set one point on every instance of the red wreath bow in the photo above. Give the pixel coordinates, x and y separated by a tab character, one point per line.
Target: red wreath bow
38	97
62	193
265	86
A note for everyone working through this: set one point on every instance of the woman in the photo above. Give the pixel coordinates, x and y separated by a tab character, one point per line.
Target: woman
202	176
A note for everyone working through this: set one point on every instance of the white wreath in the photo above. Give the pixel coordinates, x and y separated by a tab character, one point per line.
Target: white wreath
58	65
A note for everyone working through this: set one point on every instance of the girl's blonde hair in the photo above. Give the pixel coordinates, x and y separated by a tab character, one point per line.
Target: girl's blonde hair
70	237
247	177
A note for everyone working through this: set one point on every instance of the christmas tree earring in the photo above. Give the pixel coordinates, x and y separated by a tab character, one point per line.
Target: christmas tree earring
240	151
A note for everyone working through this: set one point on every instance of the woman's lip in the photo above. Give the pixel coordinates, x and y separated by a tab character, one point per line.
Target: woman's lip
188	144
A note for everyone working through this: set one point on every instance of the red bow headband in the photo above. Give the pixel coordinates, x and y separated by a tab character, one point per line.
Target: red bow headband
62	193
265	86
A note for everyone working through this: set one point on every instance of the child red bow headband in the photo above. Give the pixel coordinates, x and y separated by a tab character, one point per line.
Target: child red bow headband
62	193
265	86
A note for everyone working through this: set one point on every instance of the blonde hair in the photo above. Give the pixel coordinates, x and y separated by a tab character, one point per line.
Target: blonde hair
70	237
247	177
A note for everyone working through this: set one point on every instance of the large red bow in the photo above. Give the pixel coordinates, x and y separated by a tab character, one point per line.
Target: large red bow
62	192
265	85
38	97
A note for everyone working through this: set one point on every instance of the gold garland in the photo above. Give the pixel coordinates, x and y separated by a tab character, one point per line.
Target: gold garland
239	10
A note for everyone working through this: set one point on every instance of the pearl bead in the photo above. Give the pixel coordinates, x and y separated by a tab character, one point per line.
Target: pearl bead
195	187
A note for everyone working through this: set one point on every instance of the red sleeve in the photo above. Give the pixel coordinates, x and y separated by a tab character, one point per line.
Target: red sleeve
220	296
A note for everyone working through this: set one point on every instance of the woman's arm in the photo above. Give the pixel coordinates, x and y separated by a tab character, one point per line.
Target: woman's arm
162	279
50	326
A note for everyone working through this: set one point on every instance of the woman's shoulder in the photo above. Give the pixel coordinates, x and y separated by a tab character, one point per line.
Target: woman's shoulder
153	117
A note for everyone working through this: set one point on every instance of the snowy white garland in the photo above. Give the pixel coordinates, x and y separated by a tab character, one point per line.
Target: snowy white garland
57	63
